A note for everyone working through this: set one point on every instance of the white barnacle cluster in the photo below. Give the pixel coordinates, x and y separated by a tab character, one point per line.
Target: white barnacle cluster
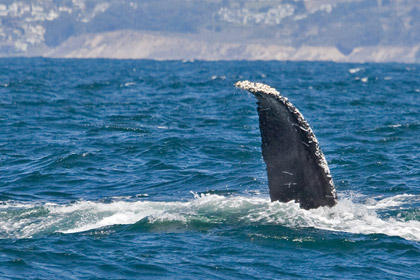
257	87
322	162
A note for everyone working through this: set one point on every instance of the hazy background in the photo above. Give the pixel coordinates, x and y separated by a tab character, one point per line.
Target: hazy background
337	30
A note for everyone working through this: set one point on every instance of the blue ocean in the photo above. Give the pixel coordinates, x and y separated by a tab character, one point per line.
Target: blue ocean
124	169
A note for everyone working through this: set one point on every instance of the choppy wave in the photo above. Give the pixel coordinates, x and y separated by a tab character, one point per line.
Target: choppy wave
20	220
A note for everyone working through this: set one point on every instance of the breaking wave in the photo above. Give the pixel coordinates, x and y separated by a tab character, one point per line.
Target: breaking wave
20	220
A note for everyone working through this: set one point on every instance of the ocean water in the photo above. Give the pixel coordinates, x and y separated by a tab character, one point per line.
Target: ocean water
118	169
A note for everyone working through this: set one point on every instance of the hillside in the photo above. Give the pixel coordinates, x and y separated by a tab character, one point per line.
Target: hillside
337	30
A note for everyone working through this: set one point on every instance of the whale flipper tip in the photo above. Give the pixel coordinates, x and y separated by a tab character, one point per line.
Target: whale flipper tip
256	87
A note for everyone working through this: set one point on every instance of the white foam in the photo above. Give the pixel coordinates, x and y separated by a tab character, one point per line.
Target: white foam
394	201
354	70
128	84
214	77
26	220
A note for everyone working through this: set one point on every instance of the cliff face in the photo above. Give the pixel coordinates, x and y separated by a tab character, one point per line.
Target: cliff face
336	30
136	45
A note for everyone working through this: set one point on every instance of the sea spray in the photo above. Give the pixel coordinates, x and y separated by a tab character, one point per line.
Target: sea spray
22	220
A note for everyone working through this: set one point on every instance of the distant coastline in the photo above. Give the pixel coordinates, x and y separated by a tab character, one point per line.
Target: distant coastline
287	30
131	44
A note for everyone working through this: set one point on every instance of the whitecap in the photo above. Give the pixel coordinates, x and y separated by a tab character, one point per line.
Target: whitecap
355	70
128	84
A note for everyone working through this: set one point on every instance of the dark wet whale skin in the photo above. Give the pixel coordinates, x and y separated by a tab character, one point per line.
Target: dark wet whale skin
296	167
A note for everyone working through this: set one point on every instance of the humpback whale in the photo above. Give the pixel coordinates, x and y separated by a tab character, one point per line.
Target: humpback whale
296	167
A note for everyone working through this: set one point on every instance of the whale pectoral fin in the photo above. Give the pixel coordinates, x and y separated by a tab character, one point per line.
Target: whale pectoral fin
296	167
